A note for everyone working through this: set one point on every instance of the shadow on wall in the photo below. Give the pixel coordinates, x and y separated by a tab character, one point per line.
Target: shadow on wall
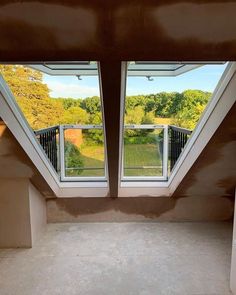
15	163
139	209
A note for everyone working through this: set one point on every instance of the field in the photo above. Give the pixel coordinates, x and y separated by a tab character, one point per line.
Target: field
141	156
93	157
136	156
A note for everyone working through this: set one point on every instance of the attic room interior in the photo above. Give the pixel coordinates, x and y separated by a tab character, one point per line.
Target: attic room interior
117	147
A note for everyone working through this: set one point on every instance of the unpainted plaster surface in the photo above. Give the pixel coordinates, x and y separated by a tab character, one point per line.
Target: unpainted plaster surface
214	172
139	209
15	163
38	213
15	228
118	29
22	213
233	257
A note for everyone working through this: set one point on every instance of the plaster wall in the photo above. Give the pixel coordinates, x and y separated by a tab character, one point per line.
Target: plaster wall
233	259
15	228
38	217
22	213
118	29
139	209
15	163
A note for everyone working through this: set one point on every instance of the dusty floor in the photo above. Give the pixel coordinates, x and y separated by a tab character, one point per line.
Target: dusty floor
121	258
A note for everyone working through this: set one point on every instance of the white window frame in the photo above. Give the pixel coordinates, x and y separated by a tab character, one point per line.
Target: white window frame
15	121
64	178
164	175
192	150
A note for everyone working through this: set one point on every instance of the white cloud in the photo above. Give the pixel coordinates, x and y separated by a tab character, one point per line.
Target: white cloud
59	89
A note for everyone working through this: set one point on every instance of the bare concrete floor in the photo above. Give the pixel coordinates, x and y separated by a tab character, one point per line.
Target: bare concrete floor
120	259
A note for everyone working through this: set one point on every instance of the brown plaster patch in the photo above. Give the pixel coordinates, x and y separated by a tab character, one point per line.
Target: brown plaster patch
229	184
139	209
114	31
148	207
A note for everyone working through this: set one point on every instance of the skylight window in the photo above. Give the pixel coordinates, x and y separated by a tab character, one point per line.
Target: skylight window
65	112
163	104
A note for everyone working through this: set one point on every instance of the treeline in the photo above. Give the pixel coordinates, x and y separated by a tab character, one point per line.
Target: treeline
41	111
184	108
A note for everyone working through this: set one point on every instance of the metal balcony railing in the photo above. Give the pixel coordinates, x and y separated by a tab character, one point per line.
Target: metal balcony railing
149	151
48	139
178	138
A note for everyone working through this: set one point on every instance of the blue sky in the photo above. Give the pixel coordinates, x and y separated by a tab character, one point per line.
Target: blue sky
203	78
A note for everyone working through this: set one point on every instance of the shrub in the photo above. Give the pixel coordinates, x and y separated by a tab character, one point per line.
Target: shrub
73	159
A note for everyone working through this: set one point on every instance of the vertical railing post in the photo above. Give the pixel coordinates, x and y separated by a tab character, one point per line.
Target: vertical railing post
62	152
55	153
165	152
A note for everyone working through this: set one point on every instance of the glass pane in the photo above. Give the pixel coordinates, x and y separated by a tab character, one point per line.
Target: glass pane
143	152
84	152
69	96
159	94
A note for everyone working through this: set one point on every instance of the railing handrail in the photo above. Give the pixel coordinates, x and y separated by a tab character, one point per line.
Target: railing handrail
78	126
144	126
180	129
44	130
177	140
85	126
128	126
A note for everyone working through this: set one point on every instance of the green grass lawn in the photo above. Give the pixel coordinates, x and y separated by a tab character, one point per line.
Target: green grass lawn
142	155
135	155
93	157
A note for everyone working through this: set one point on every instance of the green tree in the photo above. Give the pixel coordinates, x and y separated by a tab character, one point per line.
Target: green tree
150	103
188	118
148	118
42	113
75	115
191	108
134	101
24	82
135	115
32	96
95	136
91	105
73	159
69	102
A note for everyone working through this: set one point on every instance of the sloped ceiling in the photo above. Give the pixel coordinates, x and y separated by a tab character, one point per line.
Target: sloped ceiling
214	172
122	30
104	30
